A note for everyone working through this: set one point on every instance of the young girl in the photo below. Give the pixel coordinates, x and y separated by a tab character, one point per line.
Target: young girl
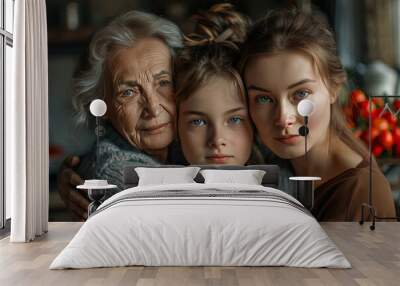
289	56
213	121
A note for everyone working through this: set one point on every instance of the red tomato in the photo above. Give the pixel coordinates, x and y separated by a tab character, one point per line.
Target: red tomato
376	112
364	136
364	109
374	133
378	101
380	123
377	150
358	96
386	139
396	104
396	136
391	118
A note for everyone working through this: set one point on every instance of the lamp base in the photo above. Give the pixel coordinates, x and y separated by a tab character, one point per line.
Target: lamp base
97	191
305	190
371	212
96	196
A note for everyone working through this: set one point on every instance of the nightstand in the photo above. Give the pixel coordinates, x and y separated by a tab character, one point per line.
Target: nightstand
97	190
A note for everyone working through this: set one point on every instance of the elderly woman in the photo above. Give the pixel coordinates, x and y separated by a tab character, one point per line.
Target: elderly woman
131	70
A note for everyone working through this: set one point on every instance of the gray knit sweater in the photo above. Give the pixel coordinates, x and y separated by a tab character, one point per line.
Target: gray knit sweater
114	154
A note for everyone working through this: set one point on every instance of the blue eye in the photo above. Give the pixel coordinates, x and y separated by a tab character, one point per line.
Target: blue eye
165	82
302	94
263	99
235	120
198	122
129	92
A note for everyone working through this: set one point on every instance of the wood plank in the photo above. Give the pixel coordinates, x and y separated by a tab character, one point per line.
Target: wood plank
374	255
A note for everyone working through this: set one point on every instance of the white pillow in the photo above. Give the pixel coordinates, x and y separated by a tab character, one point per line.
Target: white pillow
162	176
249	177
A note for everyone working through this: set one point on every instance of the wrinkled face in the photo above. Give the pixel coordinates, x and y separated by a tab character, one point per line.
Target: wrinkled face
276	84
214	126
141	104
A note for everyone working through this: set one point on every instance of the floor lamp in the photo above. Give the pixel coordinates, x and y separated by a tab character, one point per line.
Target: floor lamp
369	206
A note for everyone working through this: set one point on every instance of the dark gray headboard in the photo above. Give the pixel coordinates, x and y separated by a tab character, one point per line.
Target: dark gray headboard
270	179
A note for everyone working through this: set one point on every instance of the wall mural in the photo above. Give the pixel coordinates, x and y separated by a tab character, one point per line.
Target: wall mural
130	90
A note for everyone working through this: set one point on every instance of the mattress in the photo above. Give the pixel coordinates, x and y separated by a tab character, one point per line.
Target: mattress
201	225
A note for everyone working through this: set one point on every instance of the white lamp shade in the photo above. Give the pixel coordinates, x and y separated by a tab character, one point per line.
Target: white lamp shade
305	107
98	107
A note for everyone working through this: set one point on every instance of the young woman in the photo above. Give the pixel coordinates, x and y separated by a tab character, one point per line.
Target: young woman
289	56
214	126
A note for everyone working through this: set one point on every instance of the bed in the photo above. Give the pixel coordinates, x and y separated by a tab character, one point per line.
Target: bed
201	224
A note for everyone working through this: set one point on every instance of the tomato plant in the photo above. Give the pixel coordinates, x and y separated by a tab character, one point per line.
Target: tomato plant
385	125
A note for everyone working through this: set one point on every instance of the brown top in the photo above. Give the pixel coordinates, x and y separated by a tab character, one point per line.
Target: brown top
340	198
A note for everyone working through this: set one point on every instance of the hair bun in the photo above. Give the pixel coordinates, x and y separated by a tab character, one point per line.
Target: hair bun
221	24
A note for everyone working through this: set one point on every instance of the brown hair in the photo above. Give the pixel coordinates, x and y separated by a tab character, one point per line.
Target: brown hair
293	30
212	49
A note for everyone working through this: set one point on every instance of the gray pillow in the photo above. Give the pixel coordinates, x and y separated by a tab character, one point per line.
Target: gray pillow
270	179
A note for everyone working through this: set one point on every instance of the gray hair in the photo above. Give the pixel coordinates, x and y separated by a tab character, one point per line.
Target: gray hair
124	31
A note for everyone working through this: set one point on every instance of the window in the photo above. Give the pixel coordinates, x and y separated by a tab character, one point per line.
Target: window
6	60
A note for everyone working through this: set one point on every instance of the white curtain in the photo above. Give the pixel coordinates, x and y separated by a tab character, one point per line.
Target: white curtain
27	158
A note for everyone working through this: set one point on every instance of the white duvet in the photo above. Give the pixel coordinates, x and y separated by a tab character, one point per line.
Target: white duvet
184	230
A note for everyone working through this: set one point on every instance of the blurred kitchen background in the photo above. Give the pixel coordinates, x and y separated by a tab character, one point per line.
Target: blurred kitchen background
367	33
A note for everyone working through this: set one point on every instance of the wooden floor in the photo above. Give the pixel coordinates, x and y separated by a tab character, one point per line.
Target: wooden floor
374	255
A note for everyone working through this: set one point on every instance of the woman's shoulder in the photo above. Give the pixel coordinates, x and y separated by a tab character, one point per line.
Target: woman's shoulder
365	175
361	174
363	178
358	178
351	189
